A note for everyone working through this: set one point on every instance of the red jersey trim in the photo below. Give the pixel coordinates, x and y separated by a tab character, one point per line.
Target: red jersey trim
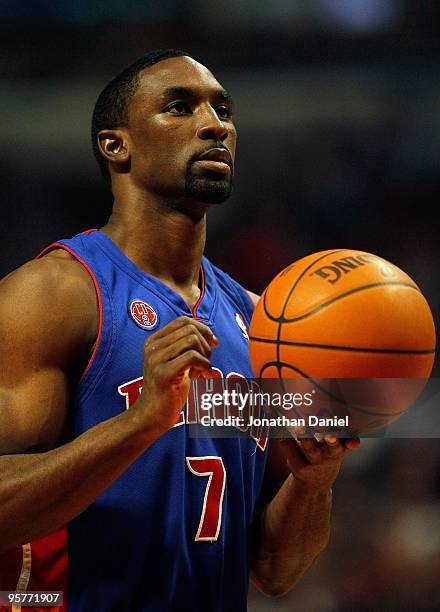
202	293
40	565
59	245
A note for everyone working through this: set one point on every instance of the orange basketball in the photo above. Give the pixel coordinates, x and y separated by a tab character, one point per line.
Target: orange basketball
342	314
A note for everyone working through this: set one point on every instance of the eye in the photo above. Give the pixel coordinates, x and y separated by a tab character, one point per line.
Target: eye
178	108
223	111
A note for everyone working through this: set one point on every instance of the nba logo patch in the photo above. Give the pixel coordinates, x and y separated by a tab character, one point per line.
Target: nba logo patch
241	324
143	314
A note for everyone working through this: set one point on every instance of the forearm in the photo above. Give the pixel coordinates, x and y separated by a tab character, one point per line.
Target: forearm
41	492
293	530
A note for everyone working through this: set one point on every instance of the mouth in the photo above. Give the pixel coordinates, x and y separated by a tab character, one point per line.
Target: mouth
216	160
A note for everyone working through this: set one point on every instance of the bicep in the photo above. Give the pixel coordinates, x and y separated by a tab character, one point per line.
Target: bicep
37	352
33	410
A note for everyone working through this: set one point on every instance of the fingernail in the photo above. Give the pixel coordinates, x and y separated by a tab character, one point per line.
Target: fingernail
352	444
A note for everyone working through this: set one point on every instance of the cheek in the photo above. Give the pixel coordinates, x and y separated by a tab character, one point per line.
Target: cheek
154	152
161	161
166	146
231	140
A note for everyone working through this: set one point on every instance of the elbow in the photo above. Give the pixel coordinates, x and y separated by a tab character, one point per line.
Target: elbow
6	545
275	581
10	538
272	588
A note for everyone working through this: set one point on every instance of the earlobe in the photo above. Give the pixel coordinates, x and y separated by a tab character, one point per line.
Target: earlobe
113	145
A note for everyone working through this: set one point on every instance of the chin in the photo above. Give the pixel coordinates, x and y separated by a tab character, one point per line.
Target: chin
209	191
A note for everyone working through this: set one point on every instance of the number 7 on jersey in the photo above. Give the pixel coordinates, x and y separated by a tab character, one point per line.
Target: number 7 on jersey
211	518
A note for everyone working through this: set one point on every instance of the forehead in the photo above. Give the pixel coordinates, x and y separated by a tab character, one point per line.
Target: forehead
175	72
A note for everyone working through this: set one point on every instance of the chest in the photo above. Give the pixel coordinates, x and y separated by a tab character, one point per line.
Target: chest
141	313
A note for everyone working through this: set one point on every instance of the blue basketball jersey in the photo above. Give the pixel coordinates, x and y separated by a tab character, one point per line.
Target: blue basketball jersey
173	531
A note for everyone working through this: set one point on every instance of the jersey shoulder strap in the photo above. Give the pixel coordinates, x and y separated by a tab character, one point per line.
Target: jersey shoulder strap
84	248
234	292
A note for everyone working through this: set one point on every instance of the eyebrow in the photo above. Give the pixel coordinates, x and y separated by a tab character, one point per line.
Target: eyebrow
188	92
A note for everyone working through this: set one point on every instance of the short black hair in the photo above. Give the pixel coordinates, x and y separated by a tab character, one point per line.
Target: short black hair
111	108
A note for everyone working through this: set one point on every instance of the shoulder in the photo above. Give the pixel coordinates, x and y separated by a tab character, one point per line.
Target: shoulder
50	300
56	278
253	297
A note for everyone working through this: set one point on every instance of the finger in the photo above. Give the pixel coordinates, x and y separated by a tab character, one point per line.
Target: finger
170	327
189	360
187	334
182	322
352	443
197	373
294	456
206	332
307	443
319	437
297	432
311	449
190	342
334	446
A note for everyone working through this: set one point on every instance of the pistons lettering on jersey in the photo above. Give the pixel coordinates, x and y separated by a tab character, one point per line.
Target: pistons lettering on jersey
131	390
143	314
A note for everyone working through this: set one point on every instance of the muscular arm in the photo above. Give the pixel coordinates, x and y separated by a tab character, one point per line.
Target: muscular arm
294	527
48	322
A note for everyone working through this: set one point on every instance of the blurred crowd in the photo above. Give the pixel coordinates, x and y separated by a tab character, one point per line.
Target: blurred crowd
384	549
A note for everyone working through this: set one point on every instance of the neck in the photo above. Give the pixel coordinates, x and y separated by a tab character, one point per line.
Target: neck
161	238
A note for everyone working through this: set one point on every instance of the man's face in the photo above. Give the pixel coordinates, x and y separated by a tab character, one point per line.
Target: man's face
182	138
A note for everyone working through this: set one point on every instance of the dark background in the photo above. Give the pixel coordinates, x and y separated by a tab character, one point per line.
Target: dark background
339	133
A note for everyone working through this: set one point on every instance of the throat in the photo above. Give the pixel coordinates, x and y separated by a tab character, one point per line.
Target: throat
190	297
163	243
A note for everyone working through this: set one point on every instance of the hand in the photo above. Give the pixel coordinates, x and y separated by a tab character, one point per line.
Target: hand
173	356
315	464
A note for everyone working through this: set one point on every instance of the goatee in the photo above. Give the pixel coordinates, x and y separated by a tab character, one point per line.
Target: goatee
210	189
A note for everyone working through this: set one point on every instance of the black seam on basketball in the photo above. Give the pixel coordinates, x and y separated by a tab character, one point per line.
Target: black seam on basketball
279	365
278	331
343	348
295	284
340	400
289	366
342	295
281	318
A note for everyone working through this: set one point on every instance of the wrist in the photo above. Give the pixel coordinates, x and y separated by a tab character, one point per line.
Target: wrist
308	489
142	423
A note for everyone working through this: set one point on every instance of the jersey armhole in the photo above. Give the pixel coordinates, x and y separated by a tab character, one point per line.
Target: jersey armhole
60	245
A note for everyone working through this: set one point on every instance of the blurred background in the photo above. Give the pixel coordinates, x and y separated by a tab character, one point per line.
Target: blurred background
339	134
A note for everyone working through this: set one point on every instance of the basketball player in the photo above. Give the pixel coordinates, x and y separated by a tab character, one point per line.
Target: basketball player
100	337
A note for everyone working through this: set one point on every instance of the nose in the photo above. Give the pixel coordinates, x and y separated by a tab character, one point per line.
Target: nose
212	127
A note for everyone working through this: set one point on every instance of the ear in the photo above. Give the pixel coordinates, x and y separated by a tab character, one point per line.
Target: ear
114	146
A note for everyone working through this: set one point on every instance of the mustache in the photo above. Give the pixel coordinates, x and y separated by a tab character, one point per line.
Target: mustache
213	145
